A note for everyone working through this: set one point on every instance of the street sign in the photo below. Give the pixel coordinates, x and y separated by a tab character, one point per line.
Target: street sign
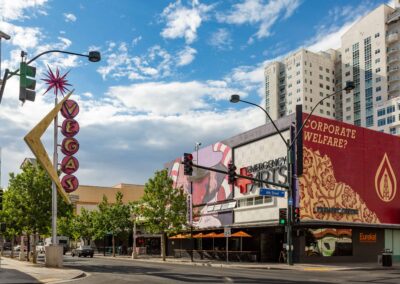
227	232
272	192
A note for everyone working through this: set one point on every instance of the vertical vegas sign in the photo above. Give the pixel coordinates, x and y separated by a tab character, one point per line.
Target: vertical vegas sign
69	145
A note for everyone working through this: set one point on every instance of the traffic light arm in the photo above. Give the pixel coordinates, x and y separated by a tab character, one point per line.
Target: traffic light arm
240	176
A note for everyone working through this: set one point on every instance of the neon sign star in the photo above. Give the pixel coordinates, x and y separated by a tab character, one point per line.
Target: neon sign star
56	82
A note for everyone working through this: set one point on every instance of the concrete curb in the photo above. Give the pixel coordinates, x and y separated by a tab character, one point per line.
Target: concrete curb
268	266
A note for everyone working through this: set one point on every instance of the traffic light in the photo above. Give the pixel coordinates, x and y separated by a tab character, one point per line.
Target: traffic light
282	216
231	173
27	85
296	215
188	164
1	199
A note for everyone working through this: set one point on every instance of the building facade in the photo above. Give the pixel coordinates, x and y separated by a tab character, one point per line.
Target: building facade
347	194
303	77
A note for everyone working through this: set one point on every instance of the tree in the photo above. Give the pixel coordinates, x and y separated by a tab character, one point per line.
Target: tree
29	202
163	207
112	219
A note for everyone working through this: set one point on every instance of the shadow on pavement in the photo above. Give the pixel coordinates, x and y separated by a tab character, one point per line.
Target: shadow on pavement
10	276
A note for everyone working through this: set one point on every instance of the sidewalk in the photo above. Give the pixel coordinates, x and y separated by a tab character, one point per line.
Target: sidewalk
257	265
13	271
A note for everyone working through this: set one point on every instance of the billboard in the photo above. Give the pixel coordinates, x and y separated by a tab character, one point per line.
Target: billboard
209	189
350	174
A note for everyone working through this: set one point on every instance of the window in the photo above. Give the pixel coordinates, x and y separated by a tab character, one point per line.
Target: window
377	70
320	68
347	73
327	79
328	88
376	35
321	111
390	109
377	89
381	112
377	80
378	98
328	113
298	82
348	100
377	51
321	77
258	200
377	60
347	65
346	50
327	70
369	121
390	119
348	108
321	86
381	122
392	130
348	117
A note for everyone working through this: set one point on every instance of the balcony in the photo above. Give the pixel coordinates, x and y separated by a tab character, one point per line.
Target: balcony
393	37
393	59
393	17
394	69
393	50
394	79
393	89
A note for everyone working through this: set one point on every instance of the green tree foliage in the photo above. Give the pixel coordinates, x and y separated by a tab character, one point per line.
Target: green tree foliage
27	204
113	219
163	207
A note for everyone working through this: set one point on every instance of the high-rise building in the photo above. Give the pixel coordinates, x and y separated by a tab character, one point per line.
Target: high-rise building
303	77
369	55
367	60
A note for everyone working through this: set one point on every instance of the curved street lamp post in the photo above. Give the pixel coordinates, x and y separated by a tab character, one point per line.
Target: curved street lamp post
289	147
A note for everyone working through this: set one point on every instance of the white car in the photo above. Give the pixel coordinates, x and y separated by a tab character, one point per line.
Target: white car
40	248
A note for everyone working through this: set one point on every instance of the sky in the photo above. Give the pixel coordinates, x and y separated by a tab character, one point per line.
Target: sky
167	72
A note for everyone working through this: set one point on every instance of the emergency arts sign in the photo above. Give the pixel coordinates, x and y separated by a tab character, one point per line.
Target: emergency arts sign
69	145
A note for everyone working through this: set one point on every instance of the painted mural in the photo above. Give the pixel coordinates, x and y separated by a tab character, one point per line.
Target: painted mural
350	174
208	187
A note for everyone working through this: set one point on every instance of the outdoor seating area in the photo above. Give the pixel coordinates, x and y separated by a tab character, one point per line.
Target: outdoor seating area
215	251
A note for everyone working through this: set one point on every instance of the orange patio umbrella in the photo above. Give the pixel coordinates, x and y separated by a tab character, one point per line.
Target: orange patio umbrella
241	235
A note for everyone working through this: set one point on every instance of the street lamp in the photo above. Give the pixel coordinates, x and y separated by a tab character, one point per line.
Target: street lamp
93	56
289	147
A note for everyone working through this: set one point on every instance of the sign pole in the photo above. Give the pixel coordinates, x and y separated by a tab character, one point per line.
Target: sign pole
53	184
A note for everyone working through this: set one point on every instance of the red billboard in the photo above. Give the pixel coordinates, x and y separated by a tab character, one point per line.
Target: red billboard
350	174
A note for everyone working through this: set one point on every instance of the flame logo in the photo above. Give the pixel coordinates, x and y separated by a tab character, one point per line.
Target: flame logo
385	180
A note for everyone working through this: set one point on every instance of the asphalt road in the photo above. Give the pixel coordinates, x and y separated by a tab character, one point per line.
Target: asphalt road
112	271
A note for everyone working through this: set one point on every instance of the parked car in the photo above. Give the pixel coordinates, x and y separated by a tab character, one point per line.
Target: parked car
40	247
18	248
83	251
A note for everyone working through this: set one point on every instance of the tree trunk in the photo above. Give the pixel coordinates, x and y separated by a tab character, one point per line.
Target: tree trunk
113	245
28	246
34	256
12	246
163	246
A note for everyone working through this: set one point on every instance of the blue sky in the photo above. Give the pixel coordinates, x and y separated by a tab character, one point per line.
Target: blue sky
168	69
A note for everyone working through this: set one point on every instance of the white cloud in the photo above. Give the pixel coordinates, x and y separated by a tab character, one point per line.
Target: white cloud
257	12
329	32
22	37
165	98
136	40
183	22
68	17
221	39
186	56
20	9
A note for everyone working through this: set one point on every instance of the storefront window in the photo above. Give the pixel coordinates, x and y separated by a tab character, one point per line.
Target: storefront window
329	242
